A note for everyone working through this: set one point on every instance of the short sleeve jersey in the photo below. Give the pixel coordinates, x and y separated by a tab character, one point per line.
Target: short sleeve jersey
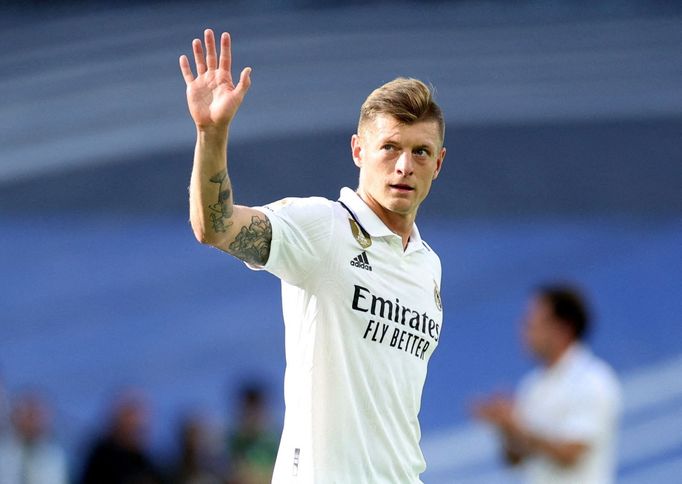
362	318
576	400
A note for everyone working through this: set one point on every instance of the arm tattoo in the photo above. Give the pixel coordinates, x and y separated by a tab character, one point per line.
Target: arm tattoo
252	243
221	211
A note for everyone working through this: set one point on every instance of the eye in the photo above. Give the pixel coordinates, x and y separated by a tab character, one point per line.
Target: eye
388	147
423	152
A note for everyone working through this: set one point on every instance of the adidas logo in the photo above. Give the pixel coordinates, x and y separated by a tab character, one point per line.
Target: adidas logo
361	261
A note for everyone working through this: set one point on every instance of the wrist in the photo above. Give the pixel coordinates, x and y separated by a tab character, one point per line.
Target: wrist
212	136
212	131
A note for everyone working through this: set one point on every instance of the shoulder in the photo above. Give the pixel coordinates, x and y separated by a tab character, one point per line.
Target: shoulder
593	378
299	204
432	258
604	376
431	253
308	214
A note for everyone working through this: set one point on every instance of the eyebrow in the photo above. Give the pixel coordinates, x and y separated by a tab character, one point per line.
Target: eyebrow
391	139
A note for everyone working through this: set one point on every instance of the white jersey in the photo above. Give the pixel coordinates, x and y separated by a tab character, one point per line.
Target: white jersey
578	399
362	318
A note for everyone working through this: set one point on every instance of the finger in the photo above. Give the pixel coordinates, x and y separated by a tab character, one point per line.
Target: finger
186	69
209	41
225	52
244	82
198	57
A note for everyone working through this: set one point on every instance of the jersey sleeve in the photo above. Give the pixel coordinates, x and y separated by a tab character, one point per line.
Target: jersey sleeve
301	237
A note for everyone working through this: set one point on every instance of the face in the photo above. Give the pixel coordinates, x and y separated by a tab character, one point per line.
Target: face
31	419
540	330
397	164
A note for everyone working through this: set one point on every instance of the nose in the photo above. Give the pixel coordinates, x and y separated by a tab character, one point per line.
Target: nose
405	165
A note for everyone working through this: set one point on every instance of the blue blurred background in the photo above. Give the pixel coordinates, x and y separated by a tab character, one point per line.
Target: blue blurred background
564	137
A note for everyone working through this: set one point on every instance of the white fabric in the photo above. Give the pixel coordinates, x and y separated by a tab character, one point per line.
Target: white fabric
576	400
40	463
360	329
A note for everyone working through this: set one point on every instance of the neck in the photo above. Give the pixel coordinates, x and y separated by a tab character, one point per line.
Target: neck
552	360
399	224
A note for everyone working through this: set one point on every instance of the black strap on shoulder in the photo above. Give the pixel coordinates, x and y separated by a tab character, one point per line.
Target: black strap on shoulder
364	232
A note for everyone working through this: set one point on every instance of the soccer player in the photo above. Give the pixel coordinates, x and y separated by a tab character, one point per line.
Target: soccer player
360	288
562	426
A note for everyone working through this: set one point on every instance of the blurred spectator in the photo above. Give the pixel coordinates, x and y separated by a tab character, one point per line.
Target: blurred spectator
27	455
196	463
252	446
562	425
120	456
4	408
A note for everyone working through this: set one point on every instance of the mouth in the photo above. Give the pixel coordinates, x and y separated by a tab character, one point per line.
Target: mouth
401	187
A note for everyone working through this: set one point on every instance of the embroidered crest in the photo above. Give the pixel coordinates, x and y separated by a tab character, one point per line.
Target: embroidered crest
360	235
436	296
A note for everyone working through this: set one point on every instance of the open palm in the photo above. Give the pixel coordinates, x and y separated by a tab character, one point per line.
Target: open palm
212	97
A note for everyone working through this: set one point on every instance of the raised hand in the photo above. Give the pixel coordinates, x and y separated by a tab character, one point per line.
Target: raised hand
212	96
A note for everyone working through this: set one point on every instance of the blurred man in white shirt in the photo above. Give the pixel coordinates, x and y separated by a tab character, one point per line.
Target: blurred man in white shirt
562	425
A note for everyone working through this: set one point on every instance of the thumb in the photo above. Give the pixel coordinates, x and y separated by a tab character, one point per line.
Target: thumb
244	81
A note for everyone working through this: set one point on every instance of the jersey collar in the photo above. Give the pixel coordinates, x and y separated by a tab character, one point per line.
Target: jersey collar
371	222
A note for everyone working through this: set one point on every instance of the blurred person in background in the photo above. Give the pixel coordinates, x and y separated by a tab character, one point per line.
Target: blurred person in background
360	287
120	456
197	462
562	425
4	408
252	445
27	453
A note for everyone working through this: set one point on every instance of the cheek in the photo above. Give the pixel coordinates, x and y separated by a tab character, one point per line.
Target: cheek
425	181
532	335
379	170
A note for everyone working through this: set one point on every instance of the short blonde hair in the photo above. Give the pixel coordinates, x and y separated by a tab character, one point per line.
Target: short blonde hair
407	100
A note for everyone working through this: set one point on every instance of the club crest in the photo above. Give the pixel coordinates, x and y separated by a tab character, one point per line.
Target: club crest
436	296
360	235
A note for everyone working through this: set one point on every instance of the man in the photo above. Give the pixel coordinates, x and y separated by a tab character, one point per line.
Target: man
28	455
360	289
563	424
120	455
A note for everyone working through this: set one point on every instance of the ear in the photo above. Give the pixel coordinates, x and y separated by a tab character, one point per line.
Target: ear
356	150
439	163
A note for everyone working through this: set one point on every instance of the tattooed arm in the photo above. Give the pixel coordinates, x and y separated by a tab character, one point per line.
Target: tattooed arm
213	101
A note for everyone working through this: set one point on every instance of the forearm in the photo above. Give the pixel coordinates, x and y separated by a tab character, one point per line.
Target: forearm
244	232
520	443
561	452
210	192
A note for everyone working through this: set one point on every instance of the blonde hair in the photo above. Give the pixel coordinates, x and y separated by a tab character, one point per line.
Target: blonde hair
407	100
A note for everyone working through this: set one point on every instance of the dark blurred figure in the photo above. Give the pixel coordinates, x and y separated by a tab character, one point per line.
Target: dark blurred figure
27	453
252	446
197	463
120	456
562	425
